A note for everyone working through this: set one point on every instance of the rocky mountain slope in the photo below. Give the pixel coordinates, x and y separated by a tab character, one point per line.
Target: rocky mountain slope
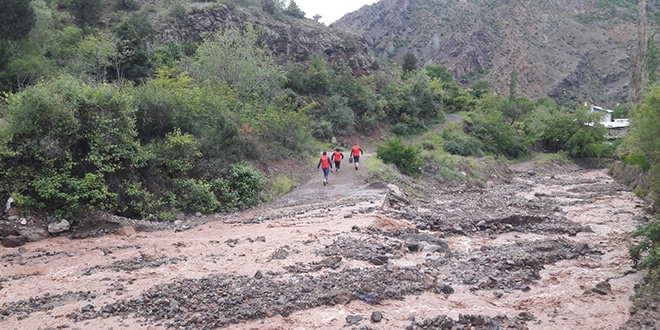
568	50
291	39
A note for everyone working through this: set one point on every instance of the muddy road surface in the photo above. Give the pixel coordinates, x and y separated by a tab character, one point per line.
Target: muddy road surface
544	249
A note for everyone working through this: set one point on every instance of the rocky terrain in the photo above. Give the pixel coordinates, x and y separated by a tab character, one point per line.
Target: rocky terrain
542	246
568	50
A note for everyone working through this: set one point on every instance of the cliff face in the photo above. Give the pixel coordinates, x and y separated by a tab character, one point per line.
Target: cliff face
289	38
570	50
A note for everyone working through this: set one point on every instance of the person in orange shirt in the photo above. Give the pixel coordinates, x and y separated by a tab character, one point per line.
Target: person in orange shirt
337	156
326	165
356	152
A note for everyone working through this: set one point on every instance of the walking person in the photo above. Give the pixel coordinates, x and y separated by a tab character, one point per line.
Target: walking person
356	152
326	165
337	156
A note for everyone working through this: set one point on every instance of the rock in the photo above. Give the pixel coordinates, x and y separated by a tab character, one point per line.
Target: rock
354	319
180	216
198	214
421	225
58	227
152	217
178	223
334	141
13	241
368	298
258	274
379	260
33	234
174	305
346	216
603	288
23	221
376	317
447	289
260	239
22	250
355	229
126	231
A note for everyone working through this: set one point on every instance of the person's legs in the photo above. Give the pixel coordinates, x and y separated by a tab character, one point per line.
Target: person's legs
337	164
356	160
326	172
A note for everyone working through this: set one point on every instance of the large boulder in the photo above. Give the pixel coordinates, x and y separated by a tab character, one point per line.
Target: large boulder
58	227
13	241
33	234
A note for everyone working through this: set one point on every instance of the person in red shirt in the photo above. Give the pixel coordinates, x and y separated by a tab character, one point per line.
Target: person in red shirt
337	156
326	165
356	152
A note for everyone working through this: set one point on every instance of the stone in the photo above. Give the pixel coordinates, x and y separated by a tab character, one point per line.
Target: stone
33	234
152	217
178	223
379	260
603	288
376	317
58	227
13	241
258	274
421	225
354	319
198	214
23	221
22	250
126	231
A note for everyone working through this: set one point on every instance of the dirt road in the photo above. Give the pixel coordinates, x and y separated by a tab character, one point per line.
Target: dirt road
548	250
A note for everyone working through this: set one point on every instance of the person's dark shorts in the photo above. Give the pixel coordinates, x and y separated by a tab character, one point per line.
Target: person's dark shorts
337	163
356	159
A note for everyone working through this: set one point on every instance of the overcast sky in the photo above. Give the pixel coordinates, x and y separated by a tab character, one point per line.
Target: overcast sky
331	10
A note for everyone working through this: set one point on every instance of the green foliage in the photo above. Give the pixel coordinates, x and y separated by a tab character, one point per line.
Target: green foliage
406	158
18	19
644	137
67	145
293	10
439	72
481	87
409	63
578	133
86	13
239	188
238	60
269	6
281	185
336	111
457	142
130	58
195	195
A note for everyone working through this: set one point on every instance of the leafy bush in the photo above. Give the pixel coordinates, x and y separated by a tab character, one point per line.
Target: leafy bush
239	188
69	145
406	158
462	145
195	195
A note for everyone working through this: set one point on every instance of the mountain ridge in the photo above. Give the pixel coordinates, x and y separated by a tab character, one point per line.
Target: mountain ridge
567	50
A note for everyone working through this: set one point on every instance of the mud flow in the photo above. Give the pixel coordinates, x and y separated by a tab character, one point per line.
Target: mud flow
547	250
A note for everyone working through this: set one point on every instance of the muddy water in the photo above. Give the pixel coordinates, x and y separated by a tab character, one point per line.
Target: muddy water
113	268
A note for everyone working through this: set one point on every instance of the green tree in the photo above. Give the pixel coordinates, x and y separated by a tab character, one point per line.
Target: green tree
238	60
440	72
513	83
86	13
269	6
18	19
652	61
481	87
409	63
293	10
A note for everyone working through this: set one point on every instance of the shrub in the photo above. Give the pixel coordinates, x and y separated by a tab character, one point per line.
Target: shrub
406	158
195	195
462	145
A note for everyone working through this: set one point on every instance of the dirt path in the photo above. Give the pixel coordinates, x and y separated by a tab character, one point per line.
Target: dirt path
547	251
